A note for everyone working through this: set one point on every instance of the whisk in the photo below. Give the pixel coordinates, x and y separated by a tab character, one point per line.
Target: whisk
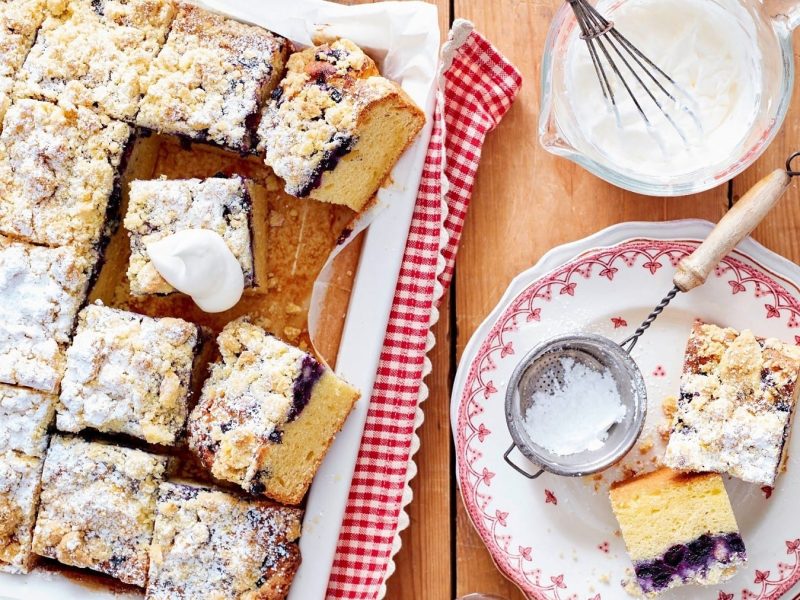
605	43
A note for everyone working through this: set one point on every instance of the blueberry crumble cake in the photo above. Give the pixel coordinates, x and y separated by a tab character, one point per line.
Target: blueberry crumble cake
20	477
58	172
160	208
42	290
19	20
98	507
334	128
211	78
267	414
25	418
95	53
211	544
737	397
679	529
128	373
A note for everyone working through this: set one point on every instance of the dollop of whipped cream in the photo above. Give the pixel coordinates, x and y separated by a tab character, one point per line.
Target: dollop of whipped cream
199	263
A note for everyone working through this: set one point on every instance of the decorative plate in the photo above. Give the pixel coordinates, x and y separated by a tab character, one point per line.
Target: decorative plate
556	538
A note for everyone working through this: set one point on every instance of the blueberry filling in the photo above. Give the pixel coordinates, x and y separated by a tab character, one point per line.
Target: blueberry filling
276	436
310	372
97	6
343	143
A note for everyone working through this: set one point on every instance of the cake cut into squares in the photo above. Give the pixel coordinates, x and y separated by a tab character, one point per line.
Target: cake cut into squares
738	394
20	478
94	53
679	529
25	418
159	208
98	507
128	373
210	544
58	172
211	79
42	290
334	128
267	414
19	21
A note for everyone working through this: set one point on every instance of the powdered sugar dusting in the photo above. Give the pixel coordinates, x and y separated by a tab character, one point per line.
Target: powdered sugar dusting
25	416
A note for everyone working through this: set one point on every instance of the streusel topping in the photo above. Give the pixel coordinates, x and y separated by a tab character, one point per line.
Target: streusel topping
25	416
19	499
19	20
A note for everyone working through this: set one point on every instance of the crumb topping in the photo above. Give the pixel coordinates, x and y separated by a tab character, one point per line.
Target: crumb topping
160	208
42	290
128	373
25	416
19	20
98	507
19	498
57	172
209	544
210	78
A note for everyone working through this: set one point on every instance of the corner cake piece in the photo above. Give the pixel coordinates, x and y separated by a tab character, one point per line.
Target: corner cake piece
128	373
334	128
94	53
19	21
679	529
20	478
58	171
734	412
209	544
267	414
98	507
160	208
42	290
211	78
25	417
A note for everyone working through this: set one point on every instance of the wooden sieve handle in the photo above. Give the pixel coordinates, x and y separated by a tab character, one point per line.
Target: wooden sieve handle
737	223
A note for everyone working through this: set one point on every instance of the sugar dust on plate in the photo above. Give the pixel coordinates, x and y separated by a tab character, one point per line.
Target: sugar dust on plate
579	412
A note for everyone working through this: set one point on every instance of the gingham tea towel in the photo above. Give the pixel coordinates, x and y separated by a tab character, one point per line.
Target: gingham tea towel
477	87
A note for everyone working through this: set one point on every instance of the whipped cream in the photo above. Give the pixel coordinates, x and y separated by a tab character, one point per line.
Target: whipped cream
714	60
199	263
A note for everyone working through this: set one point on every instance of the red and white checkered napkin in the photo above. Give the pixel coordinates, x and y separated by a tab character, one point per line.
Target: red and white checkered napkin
477	87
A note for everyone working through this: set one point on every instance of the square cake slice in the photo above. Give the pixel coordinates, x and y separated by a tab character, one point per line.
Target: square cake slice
42	290
267	414
94	53
334	128
128	373
20	478
98	507
58	173
679	529
25	418
209	544
159	208
737	397
19	21
211	79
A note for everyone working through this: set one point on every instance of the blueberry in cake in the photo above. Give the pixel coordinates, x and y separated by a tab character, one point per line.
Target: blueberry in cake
128	373
160	207
20	477
42	289
679	529
19	21
25	418
737	397
267	414
211	78
211	544
334	128
95	53
98	507
59	169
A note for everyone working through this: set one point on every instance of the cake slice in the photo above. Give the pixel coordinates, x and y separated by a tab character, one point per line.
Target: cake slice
98	507
679	529
128	373
42	290
25	418
20	477
267	414
159	208
211	78
737	398
19	21
334	128
210	544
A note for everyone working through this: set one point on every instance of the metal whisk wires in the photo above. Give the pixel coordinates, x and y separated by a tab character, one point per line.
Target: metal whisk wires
605	42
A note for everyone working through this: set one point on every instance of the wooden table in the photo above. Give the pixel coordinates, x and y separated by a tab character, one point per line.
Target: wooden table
527	201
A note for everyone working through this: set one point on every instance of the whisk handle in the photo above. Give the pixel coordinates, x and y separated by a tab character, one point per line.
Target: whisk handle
737	223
